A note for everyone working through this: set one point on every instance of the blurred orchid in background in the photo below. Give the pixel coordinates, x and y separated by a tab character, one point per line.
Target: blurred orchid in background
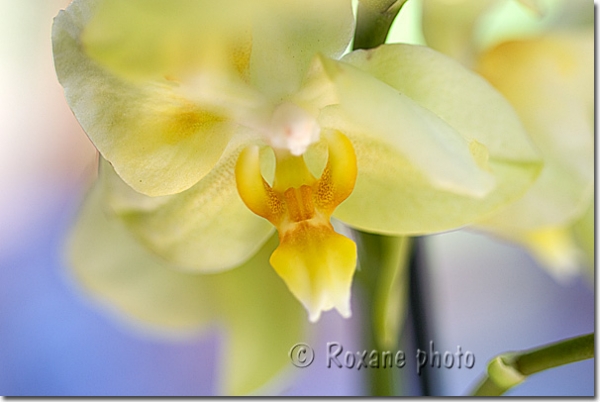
540	57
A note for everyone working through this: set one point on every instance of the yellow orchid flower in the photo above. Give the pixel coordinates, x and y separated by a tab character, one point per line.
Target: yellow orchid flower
542	62
221	121
550	83
462	29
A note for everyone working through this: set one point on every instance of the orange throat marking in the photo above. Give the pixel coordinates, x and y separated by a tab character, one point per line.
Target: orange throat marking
316	263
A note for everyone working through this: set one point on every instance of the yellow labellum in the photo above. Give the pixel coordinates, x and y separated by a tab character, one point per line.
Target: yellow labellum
316	263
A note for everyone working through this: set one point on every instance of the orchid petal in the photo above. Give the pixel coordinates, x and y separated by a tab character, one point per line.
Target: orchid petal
555	248
535	6
159	136
110	264
206	228
584	232
549	81
288	37
459	97
449	26
437	146
149	39
260	316
370	106
264	319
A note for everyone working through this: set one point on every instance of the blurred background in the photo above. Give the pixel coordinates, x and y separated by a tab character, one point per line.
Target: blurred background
485	296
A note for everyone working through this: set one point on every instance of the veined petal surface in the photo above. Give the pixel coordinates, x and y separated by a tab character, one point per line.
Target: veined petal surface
368	105
149	39
206	228
159	139
437	146
459	97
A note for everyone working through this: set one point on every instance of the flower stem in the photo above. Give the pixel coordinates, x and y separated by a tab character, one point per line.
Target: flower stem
383	274
373	23
510	369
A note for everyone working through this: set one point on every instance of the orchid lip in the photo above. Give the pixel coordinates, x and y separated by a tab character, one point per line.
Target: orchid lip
316	263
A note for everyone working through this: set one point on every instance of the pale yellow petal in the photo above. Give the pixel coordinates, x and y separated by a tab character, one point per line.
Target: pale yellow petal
535	6
121	273
437	146
260	318
556	249
149	39
159	141
458	96
449	26
289	34
550	83
264	321
392	197
206	228
369	107
585	235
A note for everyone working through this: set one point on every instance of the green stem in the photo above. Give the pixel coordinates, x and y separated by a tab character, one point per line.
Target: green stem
383	259
510	369
382	272
373	22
